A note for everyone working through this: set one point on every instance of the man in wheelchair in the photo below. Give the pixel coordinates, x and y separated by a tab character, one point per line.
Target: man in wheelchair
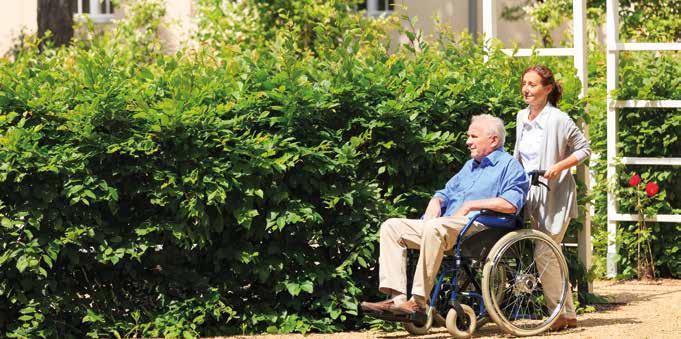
491	180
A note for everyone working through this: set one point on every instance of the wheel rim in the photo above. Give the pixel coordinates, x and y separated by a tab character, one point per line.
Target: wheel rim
516	283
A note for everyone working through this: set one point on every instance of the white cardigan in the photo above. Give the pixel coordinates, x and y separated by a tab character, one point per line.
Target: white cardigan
552	210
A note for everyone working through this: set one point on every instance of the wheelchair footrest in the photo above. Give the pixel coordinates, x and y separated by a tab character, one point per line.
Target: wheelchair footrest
417	318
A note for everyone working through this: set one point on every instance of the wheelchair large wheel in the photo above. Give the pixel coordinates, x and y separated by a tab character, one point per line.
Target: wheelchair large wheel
421	329
499	296
512	287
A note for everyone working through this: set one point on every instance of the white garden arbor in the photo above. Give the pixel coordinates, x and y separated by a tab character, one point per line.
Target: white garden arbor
578	52
614	47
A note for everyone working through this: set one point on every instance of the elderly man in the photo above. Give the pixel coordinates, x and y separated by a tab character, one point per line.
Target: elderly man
491	180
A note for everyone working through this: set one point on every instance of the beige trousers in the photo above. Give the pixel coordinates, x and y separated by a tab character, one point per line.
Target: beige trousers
549	271
432	237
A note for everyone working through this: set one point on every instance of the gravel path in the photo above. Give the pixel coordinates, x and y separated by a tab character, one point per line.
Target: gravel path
637	310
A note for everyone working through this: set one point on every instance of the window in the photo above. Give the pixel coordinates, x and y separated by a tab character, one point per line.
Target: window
378	7
99	11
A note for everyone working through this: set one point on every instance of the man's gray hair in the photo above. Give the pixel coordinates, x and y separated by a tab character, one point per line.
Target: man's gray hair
493	126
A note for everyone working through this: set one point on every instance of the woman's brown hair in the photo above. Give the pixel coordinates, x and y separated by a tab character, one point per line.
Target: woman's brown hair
547	78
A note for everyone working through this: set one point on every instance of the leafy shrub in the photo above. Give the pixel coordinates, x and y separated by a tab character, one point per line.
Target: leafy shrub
232	187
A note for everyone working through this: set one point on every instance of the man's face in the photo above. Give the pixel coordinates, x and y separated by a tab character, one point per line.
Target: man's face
479	142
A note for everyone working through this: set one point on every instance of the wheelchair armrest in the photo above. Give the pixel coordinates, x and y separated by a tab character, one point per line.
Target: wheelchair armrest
495	219
497	214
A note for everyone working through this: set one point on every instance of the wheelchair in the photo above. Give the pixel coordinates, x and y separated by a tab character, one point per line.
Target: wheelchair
493	275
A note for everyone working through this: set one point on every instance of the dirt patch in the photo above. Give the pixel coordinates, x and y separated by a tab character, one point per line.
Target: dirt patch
635	310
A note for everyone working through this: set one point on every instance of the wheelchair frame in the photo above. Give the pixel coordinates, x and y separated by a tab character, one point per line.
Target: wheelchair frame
464	315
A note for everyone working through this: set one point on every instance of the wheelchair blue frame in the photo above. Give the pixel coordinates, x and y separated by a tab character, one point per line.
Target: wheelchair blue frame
489	219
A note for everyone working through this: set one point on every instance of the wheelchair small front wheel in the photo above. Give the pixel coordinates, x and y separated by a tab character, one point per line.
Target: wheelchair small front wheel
421	329
459	329
525	282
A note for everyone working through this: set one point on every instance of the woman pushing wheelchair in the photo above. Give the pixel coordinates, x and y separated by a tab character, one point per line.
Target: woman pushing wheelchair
546	138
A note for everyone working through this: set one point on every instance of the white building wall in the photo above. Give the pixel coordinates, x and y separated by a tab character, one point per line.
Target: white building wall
179	22
452	13
517	31
16	15
455	13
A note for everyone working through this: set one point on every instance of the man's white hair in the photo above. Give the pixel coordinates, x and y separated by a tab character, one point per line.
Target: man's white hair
493	126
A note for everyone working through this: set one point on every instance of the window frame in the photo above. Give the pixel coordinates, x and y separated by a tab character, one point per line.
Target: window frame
372	8
104	14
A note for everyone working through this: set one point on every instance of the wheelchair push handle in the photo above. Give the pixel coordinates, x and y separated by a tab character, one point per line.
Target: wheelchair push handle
534	178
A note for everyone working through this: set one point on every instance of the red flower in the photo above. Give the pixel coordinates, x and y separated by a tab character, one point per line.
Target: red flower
652	188
634	180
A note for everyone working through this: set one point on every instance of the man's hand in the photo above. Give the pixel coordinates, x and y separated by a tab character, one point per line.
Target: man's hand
464	209
433	210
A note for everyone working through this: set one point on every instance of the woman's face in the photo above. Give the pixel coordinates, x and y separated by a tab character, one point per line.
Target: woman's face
534	93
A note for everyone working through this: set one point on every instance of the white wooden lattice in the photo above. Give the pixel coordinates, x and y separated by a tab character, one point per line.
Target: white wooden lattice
614	46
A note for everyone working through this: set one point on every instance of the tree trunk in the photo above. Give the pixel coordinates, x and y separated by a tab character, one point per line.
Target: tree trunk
56	16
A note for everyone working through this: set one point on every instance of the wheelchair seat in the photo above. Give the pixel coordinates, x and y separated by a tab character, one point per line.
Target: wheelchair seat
478	245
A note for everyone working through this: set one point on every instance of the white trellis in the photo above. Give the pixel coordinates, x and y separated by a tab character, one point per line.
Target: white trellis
578	53
614	47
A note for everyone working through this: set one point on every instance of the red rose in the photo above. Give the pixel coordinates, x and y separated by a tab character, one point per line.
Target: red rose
652	188
634	180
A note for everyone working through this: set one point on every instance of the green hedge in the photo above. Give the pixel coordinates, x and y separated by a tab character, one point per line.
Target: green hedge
227	188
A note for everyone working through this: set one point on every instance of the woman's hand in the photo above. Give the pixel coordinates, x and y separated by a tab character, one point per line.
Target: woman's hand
553	172
560	166
433	210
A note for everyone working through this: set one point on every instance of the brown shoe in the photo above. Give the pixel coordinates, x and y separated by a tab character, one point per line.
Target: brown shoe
563	323
572	323
407	307
377	307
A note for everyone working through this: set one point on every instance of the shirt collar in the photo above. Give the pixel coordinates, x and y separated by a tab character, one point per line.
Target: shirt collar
491	159
539	120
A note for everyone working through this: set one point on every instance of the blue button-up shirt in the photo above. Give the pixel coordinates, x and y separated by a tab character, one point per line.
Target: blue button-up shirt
496	175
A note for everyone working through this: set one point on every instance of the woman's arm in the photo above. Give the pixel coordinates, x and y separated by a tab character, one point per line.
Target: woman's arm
560	166
579	146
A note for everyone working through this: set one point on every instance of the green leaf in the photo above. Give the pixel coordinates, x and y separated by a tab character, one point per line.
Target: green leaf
7	223
293	288
307	286
27	310
25	318
22	263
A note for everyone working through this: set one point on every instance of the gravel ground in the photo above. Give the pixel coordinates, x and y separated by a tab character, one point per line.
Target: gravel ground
636	310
